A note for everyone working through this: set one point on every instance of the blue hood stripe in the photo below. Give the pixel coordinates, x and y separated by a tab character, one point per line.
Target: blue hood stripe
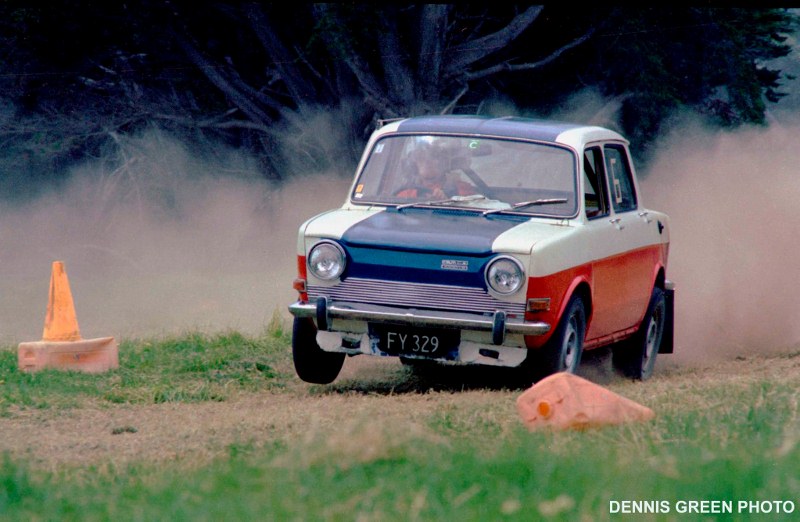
436	231
449	247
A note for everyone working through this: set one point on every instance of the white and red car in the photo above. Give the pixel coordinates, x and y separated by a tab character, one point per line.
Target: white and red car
494	241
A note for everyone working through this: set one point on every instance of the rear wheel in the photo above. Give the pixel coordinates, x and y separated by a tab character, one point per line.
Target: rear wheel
312	363
636	357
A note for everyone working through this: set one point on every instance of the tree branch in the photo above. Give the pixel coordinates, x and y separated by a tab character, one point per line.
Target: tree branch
216	123
247	106
373	91
395	70
433	23
506	66
464	55
300	90
450	106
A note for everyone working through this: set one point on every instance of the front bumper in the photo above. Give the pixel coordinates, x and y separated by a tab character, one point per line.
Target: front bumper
327	312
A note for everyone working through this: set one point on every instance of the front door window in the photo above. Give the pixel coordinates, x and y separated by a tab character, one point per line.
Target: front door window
620	180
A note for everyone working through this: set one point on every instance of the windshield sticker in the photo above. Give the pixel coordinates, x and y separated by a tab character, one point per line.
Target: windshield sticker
615	178
379	148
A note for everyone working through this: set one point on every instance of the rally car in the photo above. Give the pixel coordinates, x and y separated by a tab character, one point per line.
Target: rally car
491	241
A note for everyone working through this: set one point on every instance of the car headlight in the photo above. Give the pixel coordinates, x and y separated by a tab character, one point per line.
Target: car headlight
505	275
326	260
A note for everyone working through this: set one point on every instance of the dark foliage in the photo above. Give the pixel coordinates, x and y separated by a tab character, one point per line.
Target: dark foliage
76	76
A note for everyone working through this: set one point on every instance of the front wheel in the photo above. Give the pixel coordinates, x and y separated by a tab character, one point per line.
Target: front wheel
312	363
636	357
562	352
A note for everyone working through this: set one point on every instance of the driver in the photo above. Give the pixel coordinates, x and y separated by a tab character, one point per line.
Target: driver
430	179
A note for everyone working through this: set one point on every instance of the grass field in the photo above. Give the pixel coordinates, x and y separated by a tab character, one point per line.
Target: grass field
216	427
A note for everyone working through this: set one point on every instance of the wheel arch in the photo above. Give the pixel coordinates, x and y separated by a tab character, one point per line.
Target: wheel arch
668	338
579	285
660	279
584	291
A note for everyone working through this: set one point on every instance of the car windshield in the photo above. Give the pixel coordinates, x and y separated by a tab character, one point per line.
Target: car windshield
487	174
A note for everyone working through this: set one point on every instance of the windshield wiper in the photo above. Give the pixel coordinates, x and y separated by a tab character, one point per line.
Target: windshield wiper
523	204
450	200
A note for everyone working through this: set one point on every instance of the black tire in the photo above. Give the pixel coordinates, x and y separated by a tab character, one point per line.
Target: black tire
311	362
562	352
636	357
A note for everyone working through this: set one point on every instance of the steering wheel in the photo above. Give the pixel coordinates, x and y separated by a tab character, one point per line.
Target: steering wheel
483	188
421	191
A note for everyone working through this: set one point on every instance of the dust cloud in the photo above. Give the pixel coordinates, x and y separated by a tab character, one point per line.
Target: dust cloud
732	198
164	244
169	243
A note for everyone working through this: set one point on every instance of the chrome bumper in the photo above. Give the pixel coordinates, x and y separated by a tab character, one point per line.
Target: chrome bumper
325	312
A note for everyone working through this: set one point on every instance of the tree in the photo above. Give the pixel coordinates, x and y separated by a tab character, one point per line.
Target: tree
282	83
398	60
454	49
711	61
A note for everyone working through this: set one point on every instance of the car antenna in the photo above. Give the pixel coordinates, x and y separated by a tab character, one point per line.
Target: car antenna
382	122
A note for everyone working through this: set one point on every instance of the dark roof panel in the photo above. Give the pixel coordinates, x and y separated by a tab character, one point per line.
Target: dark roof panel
512	127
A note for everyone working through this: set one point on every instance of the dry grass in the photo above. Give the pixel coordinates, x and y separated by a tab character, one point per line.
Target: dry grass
194	433
375	406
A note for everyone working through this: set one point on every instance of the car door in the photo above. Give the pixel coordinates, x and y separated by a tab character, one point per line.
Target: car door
622	265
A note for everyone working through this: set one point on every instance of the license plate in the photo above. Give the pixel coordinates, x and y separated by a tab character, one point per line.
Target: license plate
424	342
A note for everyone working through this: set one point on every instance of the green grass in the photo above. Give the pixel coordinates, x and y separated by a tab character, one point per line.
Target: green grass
189	368
721	437
561	476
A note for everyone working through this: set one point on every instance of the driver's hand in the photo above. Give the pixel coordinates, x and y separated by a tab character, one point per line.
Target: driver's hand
438	193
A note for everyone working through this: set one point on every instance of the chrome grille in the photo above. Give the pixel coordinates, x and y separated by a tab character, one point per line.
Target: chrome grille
417	295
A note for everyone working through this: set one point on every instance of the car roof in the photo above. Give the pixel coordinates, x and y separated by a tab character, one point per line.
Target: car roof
572	134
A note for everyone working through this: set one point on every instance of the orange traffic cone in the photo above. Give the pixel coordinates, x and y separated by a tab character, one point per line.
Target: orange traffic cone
566	401
60	323
61	346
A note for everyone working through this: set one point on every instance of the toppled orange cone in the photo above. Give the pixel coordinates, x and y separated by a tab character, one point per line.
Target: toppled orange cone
61	345
565	401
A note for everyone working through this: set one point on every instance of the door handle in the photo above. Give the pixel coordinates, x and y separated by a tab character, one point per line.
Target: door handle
617	223
646	216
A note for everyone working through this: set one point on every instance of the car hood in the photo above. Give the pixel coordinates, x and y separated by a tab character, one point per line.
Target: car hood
424	245
436	230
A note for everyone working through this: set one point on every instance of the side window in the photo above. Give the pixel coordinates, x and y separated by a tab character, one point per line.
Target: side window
620	180
594	186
